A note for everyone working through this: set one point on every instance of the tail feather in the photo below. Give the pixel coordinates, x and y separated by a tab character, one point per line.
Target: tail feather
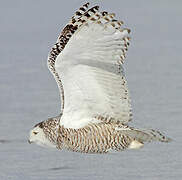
143	135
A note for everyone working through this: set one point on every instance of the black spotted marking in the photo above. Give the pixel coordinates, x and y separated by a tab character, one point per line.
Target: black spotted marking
87	14
40	124
94	9
86	5
73	20
104	13
82	9
114	20
78	13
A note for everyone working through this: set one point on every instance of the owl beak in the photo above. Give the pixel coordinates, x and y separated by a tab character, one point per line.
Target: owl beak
29	141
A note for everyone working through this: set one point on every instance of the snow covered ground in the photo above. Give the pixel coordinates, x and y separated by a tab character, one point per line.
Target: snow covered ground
28	92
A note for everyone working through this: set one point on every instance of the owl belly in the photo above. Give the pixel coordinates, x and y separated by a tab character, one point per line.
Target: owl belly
94	138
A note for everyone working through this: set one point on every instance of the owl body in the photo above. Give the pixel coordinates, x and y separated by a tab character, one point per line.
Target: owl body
93	138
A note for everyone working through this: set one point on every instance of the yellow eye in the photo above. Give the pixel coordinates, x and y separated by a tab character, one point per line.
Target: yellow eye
35	132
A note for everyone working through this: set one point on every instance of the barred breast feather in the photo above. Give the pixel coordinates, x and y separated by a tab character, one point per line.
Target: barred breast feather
104	137
94	138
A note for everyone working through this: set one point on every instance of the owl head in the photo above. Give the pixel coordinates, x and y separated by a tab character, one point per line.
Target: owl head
41	134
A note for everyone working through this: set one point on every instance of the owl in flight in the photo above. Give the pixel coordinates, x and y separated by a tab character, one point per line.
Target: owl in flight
87	64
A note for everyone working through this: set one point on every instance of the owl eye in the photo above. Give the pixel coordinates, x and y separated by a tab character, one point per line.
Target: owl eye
35	133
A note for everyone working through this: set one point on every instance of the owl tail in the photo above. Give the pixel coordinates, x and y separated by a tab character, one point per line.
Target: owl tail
143	135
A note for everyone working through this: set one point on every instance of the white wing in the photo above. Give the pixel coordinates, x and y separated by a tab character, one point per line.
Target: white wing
62	40
91	73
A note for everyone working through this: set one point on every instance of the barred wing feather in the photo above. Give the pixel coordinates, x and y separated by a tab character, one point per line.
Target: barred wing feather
61	42
90	71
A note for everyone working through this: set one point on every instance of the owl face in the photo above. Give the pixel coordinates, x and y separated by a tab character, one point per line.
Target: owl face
38	136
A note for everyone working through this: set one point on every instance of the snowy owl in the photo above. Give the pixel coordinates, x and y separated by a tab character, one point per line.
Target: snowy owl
87	64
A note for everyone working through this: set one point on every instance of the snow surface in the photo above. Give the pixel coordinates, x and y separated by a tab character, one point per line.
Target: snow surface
29	94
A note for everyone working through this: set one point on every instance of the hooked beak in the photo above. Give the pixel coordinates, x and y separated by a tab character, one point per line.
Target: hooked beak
29	141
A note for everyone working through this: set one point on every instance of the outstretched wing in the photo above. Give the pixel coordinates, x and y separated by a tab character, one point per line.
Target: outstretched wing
90	69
